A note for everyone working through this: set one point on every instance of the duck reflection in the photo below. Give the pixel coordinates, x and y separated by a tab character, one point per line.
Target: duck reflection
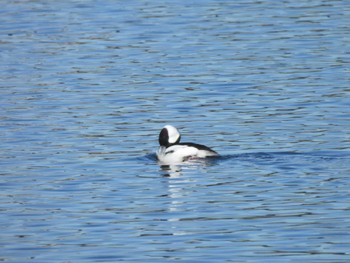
171	170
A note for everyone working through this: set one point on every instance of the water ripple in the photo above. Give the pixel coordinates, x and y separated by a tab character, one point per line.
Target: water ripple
86	88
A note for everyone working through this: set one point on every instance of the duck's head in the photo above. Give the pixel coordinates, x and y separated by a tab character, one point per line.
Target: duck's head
168	136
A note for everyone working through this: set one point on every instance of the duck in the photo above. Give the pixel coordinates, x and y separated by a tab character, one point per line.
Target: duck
171	151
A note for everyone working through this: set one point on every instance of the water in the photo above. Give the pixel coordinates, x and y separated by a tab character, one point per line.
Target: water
86	87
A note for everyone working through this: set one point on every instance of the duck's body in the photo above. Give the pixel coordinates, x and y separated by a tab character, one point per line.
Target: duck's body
172	151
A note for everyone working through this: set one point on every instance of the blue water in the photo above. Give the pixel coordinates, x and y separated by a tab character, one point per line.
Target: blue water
86	87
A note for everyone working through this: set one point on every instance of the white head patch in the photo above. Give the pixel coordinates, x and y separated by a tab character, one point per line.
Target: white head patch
173	133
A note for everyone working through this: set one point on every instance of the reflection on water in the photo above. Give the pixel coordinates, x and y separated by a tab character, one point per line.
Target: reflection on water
86	87
171	170
175	170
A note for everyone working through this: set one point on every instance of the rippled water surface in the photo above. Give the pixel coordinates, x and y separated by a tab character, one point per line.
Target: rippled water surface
86	87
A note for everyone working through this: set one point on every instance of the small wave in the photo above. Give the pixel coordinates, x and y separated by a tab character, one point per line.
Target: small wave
261	157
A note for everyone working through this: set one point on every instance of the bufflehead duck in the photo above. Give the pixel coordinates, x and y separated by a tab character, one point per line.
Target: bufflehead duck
172	151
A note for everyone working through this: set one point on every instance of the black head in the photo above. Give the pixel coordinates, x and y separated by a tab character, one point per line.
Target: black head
168	136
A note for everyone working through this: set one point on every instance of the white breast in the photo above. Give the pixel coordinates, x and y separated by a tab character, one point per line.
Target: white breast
180	153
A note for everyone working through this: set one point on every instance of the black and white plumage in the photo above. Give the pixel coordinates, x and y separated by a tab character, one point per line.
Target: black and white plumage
172	151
